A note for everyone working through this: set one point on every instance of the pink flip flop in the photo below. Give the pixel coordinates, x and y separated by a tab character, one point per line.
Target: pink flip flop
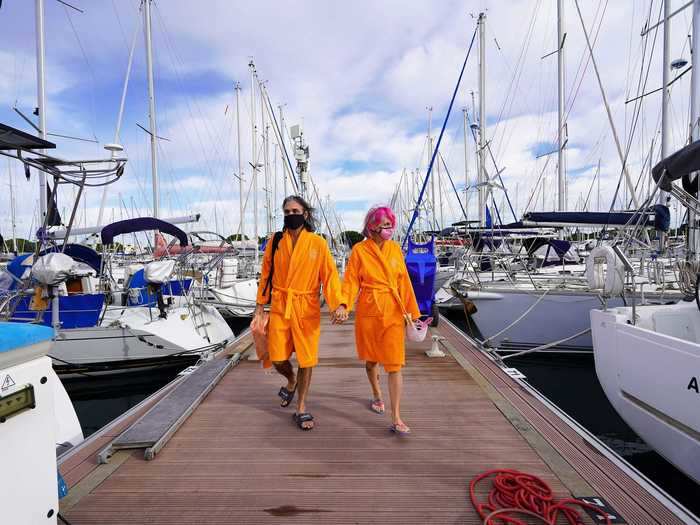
395	428
376	405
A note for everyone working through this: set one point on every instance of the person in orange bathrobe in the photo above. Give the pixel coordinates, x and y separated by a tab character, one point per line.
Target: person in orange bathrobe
302	262
377	272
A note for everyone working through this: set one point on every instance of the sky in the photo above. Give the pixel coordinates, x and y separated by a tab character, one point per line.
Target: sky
359	77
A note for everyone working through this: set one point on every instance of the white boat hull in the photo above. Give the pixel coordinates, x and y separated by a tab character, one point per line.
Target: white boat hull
237	300
557	316
136	338
650	375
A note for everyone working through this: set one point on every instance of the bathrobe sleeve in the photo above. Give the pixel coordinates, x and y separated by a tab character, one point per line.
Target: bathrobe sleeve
351	279
332	289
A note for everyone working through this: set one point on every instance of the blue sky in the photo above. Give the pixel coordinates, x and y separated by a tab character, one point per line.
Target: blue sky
358	76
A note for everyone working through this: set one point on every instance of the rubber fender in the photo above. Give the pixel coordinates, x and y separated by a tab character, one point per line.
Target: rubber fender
605	271
469	306
435	313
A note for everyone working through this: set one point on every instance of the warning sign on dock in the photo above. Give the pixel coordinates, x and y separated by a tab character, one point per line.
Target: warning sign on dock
7	382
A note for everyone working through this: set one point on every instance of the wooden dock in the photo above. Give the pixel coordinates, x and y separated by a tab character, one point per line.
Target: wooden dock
239	459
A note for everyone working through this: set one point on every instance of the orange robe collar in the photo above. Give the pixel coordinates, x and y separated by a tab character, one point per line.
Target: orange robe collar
295	253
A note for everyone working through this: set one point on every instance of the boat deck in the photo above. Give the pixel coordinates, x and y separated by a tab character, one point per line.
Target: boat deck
239	458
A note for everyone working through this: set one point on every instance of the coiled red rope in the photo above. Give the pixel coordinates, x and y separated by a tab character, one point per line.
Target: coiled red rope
515	492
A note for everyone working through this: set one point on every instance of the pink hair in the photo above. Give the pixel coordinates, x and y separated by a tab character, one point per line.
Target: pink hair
375	216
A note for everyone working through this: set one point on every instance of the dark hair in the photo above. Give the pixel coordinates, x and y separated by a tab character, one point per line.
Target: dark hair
310	221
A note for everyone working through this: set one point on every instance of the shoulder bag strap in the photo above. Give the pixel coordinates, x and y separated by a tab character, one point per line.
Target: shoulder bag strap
275	244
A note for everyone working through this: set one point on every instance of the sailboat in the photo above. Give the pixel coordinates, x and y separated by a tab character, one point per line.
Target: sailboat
102	326
515	302
648	358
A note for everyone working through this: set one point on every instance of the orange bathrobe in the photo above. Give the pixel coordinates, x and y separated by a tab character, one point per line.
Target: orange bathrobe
385	295
295	313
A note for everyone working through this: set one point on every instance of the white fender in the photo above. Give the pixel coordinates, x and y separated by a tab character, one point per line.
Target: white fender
605	271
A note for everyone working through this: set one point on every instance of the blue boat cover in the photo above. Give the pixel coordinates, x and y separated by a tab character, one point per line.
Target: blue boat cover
16	268
138	281
80	253
141	224
75	311
680	164
653	217
422	267
17	335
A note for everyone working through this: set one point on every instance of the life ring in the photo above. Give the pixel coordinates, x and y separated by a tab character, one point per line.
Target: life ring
605	271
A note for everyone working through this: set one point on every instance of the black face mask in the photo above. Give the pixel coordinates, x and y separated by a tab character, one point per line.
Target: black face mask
293	222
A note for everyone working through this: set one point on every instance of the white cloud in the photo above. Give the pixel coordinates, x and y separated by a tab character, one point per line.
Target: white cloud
359	77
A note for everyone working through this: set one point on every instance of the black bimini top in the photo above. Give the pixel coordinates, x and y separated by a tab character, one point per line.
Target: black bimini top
680	164
11	138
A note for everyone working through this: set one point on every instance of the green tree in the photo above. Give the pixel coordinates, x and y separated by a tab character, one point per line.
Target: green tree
352	237
236	237
23	245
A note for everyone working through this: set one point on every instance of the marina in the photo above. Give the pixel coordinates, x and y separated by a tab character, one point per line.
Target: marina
383	262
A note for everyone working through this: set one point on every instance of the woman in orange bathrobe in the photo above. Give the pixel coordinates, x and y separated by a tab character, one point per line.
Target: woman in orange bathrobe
302	263
377	272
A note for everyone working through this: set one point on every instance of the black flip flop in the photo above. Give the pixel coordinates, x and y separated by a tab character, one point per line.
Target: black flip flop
299	419
286	395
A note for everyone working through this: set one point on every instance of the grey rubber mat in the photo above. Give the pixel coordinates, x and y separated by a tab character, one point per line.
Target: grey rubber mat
156	426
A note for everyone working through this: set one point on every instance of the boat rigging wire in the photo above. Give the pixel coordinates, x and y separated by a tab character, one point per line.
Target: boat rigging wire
548	345
89	66
520	318
437	146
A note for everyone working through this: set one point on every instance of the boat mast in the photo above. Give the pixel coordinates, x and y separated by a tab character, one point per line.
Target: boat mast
466	166
440	192
120	117
664	196
240	162
268	178
693	234
151	107
41	98
274	195
561	168
284	172
613	129
482	119
254	159
13	209
430	152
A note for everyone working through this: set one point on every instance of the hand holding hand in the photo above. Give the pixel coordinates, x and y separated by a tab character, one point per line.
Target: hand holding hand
340	315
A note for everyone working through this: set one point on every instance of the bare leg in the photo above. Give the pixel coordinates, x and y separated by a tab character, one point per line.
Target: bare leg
304	382
372	370
286	369
395	389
